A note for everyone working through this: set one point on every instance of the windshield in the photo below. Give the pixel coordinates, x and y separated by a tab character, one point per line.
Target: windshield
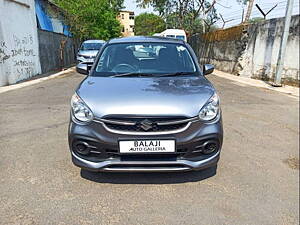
91	46
181	37
145	59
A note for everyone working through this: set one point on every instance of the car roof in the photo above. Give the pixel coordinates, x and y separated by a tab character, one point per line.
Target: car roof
174	31
138	39
94	41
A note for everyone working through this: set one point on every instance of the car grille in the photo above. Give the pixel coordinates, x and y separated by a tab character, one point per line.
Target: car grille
148	124
138	128
88	57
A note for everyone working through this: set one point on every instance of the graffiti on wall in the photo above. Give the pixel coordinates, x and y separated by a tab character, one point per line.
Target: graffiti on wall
20	56
4	55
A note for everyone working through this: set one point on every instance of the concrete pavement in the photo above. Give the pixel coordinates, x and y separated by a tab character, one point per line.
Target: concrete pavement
286	89
256	182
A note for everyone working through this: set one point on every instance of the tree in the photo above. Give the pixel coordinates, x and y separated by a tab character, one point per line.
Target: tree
158	5
148	23
184	14
211	18
92	19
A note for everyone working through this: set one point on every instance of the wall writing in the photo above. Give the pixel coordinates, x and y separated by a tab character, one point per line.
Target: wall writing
4	55
19	57
23	55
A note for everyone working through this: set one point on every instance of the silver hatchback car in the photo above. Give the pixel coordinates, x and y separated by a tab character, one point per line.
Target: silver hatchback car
145	106
88	51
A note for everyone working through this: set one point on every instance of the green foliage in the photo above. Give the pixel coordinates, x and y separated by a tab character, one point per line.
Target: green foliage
256	20
158	5
148	24
92	19
194	16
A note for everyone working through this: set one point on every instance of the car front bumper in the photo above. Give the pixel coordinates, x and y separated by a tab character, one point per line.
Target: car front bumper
85	60
117	165
195	133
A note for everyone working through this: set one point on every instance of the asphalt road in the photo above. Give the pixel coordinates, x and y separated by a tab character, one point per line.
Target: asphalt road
256	182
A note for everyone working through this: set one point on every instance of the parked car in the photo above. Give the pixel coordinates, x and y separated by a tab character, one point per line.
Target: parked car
145	112
88	51
173	33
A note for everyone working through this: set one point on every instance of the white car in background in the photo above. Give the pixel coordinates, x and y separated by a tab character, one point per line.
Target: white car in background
173	33
88	51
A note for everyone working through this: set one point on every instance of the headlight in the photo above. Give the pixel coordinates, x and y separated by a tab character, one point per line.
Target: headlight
211	109
80	110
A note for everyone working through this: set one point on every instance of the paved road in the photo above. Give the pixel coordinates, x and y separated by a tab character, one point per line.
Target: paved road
256	181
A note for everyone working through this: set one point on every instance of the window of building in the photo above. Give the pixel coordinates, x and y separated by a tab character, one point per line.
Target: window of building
131	16
122	16
132	28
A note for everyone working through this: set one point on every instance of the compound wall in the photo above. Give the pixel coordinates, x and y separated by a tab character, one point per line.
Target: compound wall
19	53
251	50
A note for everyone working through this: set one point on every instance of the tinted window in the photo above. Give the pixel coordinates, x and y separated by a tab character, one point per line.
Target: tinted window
91	46
181	37
148	58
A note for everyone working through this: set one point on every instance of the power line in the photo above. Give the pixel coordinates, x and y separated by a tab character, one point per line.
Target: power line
255	12
235	16
227	7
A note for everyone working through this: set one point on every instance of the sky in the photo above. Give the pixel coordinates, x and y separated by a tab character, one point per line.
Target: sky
231	10
131	6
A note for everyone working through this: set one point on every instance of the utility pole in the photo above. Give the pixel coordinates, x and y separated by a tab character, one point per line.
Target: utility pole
249	10
282	49
243	12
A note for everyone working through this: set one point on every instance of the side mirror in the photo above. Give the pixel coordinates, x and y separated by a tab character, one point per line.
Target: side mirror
82	68
208	69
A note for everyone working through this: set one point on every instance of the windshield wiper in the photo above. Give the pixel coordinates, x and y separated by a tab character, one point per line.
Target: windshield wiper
175	74
132	75
151	74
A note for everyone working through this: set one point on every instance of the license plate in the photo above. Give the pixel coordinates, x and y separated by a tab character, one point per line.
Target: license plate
147	146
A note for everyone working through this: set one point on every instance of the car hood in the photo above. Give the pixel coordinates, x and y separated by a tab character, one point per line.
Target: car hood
164	96
88	52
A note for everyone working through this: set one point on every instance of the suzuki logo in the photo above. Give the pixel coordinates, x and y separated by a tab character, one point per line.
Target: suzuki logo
146	125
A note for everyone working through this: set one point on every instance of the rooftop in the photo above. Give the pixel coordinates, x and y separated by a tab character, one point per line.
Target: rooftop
125	11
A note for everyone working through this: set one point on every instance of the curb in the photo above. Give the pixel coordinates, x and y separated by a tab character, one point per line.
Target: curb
289	90
35	81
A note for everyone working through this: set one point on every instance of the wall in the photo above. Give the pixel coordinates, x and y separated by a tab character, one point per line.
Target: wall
221	48
19	55
56	50
260	58
251	50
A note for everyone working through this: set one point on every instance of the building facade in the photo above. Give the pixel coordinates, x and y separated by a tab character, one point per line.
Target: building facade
126	19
